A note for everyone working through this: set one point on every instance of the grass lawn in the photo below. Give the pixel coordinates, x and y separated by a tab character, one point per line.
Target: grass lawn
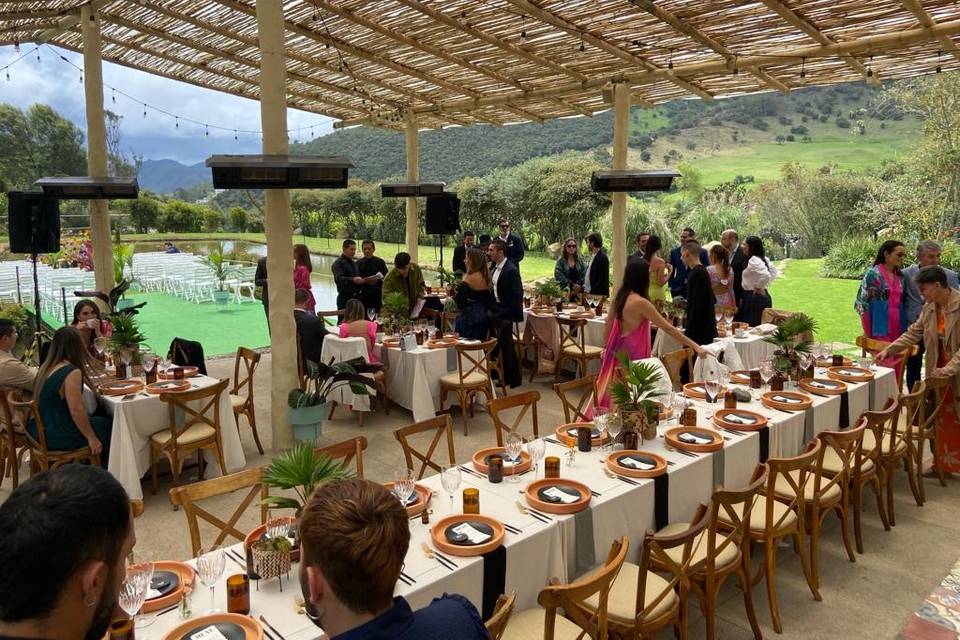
829	301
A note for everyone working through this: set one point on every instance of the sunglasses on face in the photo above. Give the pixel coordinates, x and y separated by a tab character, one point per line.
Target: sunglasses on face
504	226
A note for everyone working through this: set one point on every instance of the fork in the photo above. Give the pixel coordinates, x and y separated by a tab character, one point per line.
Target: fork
433	555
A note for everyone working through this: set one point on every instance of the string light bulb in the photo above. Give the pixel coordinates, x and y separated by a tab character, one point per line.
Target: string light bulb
235	137
736	69
870	68
176	122
582	48
206	130
803	70
523	27
144	109
670	61
939	67
7	72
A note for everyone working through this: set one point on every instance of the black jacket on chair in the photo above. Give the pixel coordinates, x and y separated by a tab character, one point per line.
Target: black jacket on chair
311	329
599	272
187	353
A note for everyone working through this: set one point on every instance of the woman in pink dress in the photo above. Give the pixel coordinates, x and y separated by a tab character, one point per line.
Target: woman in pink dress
356	325
880	301
302	268
628	327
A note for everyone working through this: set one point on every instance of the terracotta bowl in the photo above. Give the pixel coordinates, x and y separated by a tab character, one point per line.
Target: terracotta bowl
660	464
480	461
824	386
850	374
252	628
721	418
188	372
120	387
678	439
424	494
571	440
440	540
787	400
695	390
187	576
168	386
537	502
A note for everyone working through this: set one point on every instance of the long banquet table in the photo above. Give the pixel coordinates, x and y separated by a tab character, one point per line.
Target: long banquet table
568	545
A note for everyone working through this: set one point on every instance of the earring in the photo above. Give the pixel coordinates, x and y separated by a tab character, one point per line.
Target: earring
89	602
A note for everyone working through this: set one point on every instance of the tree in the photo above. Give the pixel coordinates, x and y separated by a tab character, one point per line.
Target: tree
212	219
144	212
118	163
239	219
177	215
780	139
38	142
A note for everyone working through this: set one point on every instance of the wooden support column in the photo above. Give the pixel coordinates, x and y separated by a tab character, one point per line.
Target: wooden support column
621	126
96	147
273	118
413	174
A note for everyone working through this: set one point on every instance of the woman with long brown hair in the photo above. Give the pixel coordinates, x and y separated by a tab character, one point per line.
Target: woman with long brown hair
474	298
721	276
302	268
91	325
356	325
570	269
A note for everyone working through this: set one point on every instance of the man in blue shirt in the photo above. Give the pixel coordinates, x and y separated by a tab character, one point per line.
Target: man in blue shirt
928	255
678	277
354	535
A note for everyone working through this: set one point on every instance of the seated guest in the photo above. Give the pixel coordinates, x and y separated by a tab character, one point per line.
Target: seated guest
474	298
570	270
310	326
58	392
406	278
169	247
356	325
701	323
460	252
354	535
87	320
13	373
597	279
72	527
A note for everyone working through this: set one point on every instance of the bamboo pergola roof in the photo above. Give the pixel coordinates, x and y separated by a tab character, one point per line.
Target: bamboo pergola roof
502	61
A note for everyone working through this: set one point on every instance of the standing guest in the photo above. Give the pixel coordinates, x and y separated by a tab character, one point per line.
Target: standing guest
507	308
597	279
87	320
169	247
474	298
627	327
928	255
13	373
67	534
757	276
310	327
356	325
738	262
406	278
372	269
570	270
260	280
721	276
302	268
700	323
483	242
58	391
513	243
880	299
460	252
678	277
346	275
659	270
354	535
642	239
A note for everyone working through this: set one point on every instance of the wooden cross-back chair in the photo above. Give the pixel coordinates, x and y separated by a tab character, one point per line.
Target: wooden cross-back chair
773	519
579	619
872	346
346	452
41	458
497	623
928	430
526	401
673	362
573	346
778	316
578	398
13	441
200	430
717	556
188	496
869	470
242	403
440	427
903	445
472	377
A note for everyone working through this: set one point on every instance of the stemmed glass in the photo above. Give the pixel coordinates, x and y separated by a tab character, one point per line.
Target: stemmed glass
134	591
614	426
100	345
450	479
210	565
514	447
600	422
718	315
536	449
403	485
371	314
728	319
766	371
679	404
126	357
711	388
149	362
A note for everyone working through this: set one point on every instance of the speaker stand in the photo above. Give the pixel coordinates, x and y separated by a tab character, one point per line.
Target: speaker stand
36	305
441	249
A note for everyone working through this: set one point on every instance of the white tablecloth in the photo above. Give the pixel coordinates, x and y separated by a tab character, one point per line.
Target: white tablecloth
135	420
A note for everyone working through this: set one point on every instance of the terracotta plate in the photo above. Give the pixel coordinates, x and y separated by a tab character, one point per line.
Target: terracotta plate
120	387
823	386
644	464
418	501
740	419
564	435
438	534
787	400
850	374
695	390
452	334
250	627
480	461
185	574
168	386
188	372
740	377
443	343
539	498
694	439
828	361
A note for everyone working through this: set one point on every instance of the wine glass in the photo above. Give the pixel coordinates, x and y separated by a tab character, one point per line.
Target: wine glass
728	319
514	447
450	479
600	421
718	315
126	357
711	388
100	345
679	404
371	314
536	449
403	485
614	426
210	565
766	371
135	589
149	361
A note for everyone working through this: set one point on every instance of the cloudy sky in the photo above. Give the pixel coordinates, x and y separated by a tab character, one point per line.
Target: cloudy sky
55	82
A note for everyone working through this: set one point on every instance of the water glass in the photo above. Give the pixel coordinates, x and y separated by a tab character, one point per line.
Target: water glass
403	485
514	447
536	449
100	345
614	426
600	421
134	589
210	566
450	478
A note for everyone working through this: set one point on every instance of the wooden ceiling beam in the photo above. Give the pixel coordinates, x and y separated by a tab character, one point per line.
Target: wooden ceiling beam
925	20
69	21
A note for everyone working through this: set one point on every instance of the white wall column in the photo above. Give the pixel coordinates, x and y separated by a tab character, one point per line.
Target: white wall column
412	139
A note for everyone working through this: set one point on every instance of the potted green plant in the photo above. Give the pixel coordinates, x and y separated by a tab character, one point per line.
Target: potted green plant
124	342
395	312
222	270
447	279
547	292
635	393
122	259
792	337
300	469
306	407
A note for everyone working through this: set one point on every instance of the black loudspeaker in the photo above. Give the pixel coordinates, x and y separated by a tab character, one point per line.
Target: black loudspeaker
33	222
443	214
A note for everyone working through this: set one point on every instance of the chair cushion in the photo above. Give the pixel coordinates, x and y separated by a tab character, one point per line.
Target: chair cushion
902	424
869	442
726	556
591	351
622	603
453	379
195	433
758	515
833	465
831	494
237	401
528	625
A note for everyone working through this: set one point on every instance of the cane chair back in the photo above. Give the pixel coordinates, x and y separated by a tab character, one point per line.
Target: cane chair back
873	346
13	441
573	345
910	432
473	363
525	401
346	452
241	395
440	427
578	398
497	623
673	362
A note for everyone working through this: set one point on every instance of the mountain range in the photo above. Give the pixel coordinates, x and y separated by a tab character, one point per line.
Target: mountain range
166	176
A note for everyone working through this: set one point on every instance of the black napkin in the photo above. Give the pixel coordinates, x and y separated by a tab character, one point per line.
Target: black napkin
844	410
494	579
764	443
661	500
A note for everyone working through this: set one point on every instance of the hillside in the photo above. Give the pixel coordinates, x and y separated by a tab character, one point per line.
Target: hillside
166	176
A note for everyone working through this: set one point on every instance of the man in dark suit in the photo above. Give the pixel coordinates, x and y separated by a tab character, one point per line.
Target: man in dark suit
260	280
507	308
512	242
597	280
310	327
346	275
460	252
738	262
369	266
678	278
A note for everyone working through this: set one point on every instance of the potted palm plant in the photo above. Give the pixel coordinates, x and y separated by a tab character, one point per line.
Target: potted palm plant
222	270
300	469
124	343
395	312
792	337
547	292
306	407
635	393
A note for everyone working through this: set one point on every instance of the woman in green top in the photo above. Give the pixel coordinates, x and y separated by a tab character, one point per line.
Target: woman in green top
570	270
659	269
59	394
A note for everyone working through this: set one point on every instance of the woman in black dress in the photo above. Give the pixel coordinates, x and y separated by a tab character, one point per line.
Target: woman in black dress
474	298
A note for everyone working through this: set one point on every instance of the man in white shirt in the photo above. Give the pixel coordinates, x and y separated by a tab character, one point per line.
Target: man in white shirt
13	373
